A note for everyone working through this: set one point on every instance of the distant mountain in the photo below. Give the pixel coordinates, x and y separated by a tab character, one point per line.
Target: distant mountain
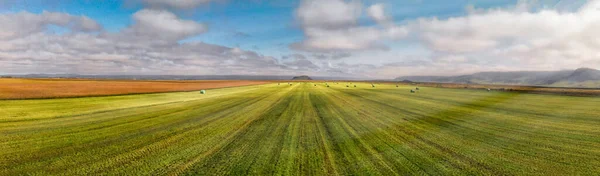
582	77
584	74
303	77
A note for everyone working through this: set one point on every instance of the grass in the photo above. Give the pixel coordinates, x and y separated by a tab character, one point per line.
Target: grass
554	89
303	130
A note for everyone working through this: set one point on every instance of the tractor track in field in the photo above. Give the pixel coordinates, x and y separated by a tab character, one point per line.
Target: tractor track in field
438	121
219	146
214	116
324	134
404	139
495	128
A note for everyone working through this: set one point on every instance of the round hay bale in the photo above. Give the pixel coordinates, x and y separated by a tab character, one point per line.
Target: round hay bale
202	91
396	85
412	91
354	85
417	88
489	89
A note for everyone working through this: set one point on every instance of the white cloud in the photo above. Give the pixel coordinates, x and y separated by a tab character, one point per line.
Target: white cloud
519	37
149	46
299	62
328	14
174	4
496	27
331	25
95	54
161	24
524	37
377	12
21	24
349	39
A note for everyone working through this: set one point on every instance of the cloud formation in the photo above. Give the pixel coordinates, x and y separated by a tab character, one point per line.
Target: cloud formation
299	62
497	39
544	38
328	14
163	25
377	12
500	28
174	4
149	46
21	24
331	25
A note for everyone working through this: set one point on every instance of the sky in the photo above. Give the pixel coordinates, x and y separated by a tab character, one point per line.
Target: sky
380	39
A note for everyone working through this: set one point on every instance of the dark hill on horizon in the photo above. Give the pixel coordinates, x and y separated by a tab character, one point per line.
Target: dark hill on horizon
582	77
303	77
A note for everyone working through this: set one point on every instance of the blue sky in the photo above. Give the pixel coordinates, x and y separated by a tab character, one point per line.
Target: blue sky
273	28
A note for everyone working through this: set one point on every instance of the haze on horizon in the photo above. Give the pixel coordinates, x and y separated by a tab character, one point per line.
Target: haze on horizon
380	39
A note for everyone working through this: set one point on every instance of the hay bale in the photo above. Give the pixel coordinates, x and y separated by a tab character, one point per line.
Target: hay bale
354	85
489	89
373	85
347	85
202	91
396	85
412	91
327	85
417	88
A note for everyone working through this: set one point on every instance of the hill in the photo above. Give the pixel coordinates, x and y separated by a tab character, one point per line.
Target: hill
582	77
303	77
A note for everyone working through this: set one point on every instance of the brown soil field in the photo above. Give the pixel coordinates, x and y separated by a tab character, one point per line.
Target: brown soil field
13	88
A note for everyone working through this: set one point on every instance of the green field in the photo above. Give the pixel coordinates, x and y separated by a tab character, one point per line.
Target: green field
303	130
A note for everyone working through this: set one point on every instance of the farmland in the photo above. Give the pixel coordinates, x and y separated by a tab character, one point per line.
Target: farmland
59	88
303	129
574	91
